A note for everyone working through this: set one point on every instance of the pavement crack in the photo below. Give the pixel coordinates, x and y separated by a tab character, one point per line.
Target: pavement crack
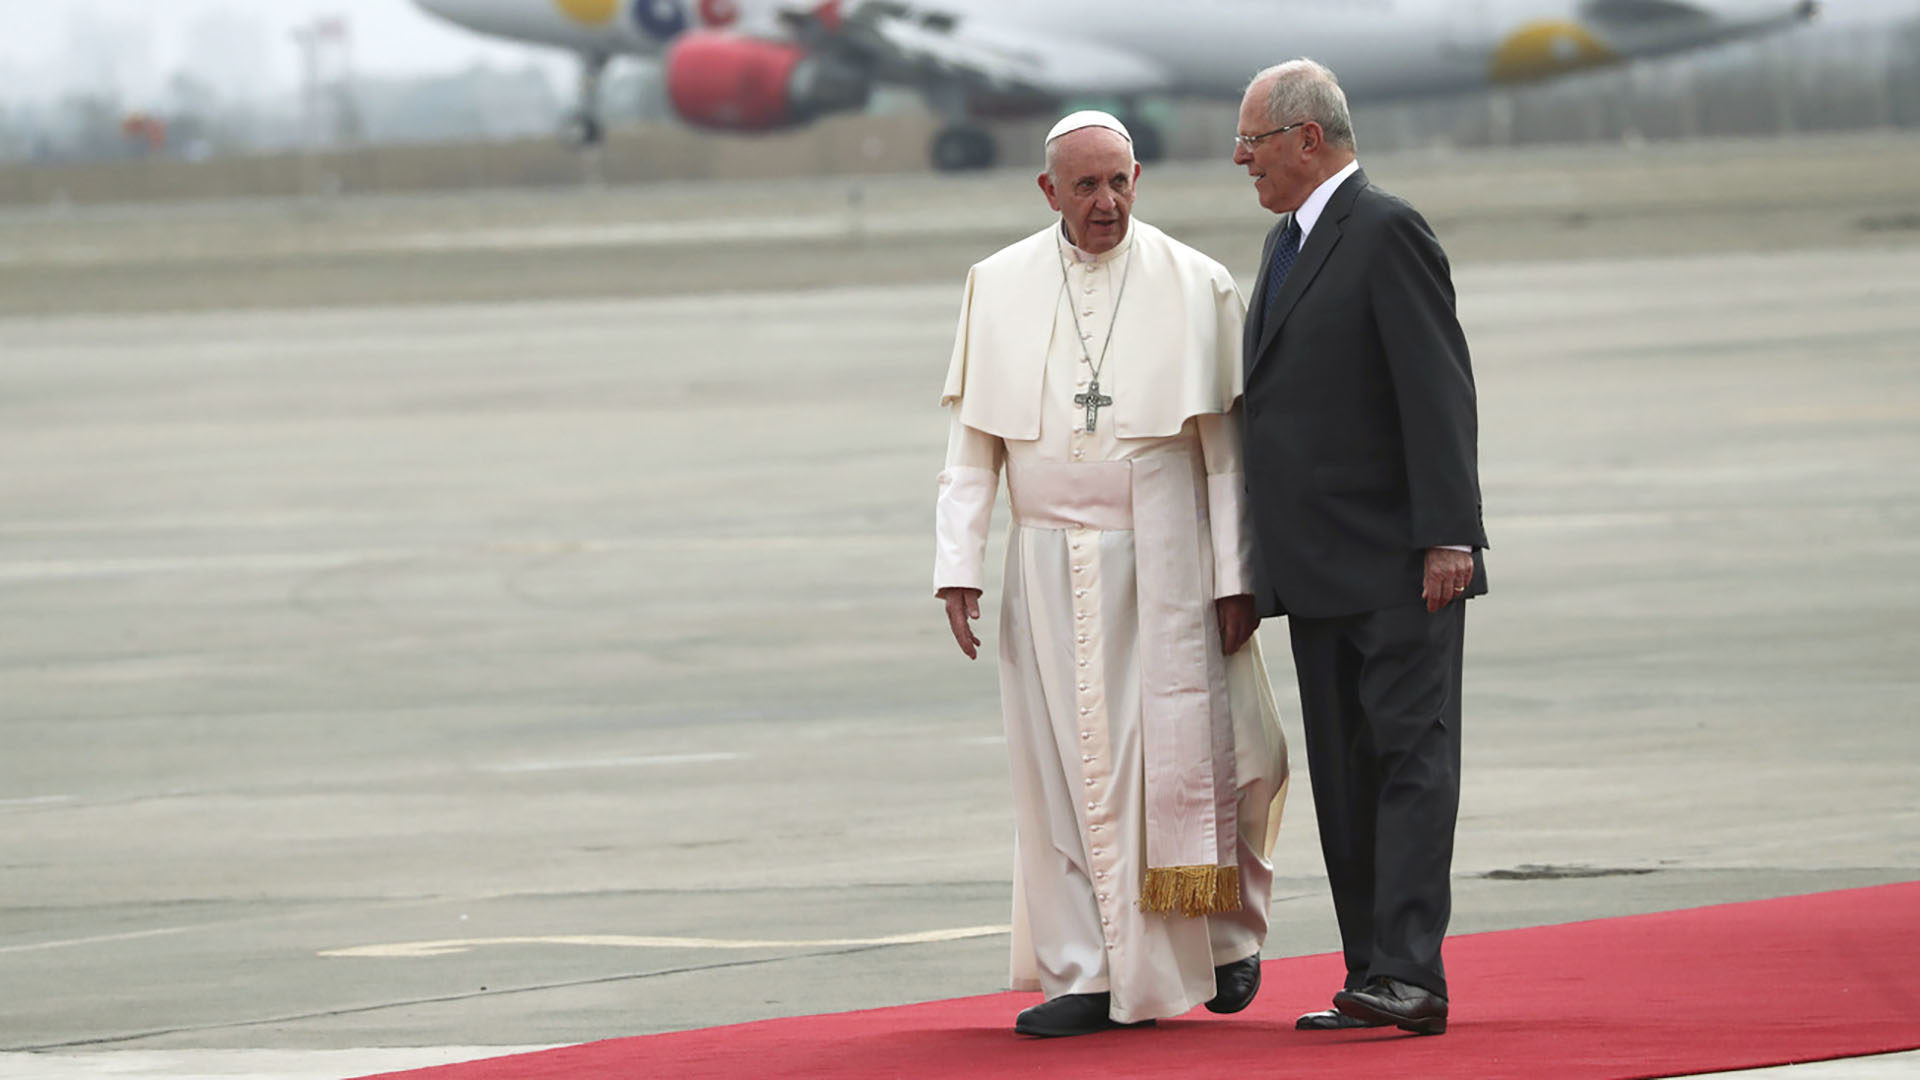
356	1010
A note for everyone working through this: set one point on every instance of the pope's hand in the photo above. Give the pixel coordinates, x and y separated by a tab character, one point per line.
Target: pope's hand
1238	621
963	606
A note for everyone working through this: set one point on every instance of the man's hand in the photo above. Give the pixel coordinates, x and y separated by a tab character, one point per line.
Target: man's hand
1449	573
1237	622
963	606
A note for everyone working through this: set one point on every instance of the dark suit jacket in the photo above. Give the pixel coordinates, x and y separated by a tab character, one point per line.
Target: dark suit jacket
1360	421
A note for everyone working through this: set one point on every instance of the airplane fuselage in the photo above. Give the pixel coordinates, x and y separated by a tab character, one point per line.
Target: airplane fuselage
1382	49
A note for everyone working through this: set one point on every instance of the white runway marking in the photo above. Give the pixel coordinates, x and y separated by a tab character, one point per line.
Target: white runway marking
1877	1067
242	1064
417	949
36	800
615	762
64	943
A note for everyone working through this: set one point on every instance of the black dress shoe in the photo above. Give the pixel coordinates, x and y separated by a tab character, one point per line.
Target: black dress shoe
1390	1001
1070	1014
1333	1020
1234	985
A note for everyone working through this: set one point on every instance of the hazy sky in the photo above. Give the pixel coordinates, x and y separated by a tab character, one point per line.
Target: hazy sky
52	47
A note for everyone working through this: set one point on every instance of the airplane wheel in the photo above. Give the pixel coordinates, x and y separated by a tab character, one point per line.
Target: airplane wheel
1148	144
582	130
962	149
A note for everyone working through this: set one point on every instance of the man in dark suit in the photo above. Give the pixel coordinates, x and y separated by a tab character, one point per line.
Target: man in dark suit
1363	485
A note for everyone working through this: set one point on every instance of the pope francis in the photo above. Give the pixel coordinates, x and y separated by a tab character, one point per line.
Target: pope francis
1097	363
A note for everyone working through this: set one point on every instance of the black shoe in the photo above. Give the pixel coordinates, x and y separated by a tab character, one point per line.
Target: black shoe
1333	1020
1070	1014
1390	1001
1234	985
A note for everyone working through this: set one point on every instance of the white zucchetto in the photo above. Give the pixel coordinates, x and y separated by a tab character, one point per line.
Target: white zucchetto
1087	118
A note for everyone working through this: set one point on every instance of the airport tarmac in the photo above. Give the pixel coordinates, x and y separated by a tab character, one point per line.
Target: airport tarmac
552	584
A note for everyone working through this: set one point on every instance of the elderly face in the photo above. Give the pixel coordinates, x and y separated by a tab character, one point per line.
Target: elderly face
1282	165
1091	184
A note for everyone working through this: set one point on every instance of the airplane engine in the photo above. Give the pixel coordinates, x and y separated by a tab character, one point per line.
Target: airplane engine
720	80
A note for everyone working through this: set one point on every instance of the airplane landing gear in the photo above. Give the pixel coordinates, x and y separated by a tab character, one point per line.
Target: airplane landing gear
584	128
583	131
1148	144
963	149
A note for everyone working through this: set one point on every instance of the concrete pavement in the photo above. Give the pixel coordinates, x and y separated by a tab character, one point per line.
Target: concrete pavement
579	621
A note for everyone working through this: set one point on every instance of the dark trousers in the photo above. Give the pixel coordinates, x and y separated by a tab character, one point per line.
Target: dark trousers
1380	700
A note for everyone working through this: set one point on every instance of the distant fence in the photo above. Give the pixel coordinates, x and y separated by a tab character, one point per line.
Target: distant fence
1791	83
839	145
1777	86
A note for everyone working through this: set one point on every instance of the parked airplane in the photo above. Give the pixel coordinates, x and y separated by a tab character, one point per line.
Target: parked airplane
759	65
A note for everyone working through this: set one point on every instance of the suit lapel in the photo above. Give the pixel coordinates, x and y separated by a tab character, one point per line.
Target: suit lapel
1320	244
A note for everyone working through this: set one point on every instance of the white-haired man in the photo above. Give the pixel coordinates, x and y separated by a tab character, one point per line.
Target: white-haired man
1097	363
1361	453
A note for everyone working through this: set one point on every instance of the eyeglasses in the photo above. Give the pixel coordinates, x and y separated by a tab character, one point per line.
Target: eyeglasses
1248	142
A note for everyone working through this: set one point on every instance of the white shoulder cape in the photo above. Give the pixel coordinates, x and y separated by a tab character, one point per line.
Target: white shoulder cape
1176	338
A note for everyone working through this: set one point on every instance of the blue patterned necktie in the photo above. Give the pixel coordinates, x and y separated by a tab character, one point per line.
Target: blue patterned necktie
1284	254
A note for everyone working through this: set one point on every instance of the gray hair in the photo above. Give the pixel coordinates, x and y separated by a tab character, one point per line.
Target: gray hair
1308	90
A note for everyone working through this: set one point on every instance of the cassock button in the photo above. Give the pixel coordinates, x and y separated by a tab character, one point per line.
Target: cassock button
1084	711
1083	639
1088	757
1103	898
1089	781
1092	807
1083	663
1086	736
1080	592
1084	688
1101	874
1104	921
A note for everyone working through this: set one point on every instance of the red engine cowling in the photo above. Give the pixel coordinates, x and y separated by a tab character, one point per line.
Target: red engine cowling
720	80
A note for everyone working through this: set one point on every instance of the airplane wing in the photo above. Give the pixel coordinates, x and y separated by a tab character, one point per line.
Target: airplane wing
918	44
1641	12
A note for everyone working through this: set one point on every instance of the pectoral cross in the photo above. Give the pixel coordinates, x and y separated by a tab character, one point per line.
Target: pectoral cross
1094	400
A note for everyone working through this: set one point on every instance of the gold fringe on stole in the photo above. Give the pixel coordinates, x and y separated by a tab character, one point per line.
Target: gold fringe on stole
1192	890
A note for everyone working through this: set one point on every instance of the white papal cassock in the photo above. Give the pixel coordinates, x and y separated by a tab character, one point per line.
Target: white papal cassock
1136	745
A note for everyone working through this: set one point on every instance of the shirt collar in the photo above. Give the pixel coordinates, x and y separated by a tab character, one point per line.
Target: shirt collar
1309	213
1072	252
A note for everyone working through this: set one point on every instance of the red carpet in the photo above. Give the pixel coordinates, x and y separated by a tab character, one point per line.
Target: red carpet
1737	986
